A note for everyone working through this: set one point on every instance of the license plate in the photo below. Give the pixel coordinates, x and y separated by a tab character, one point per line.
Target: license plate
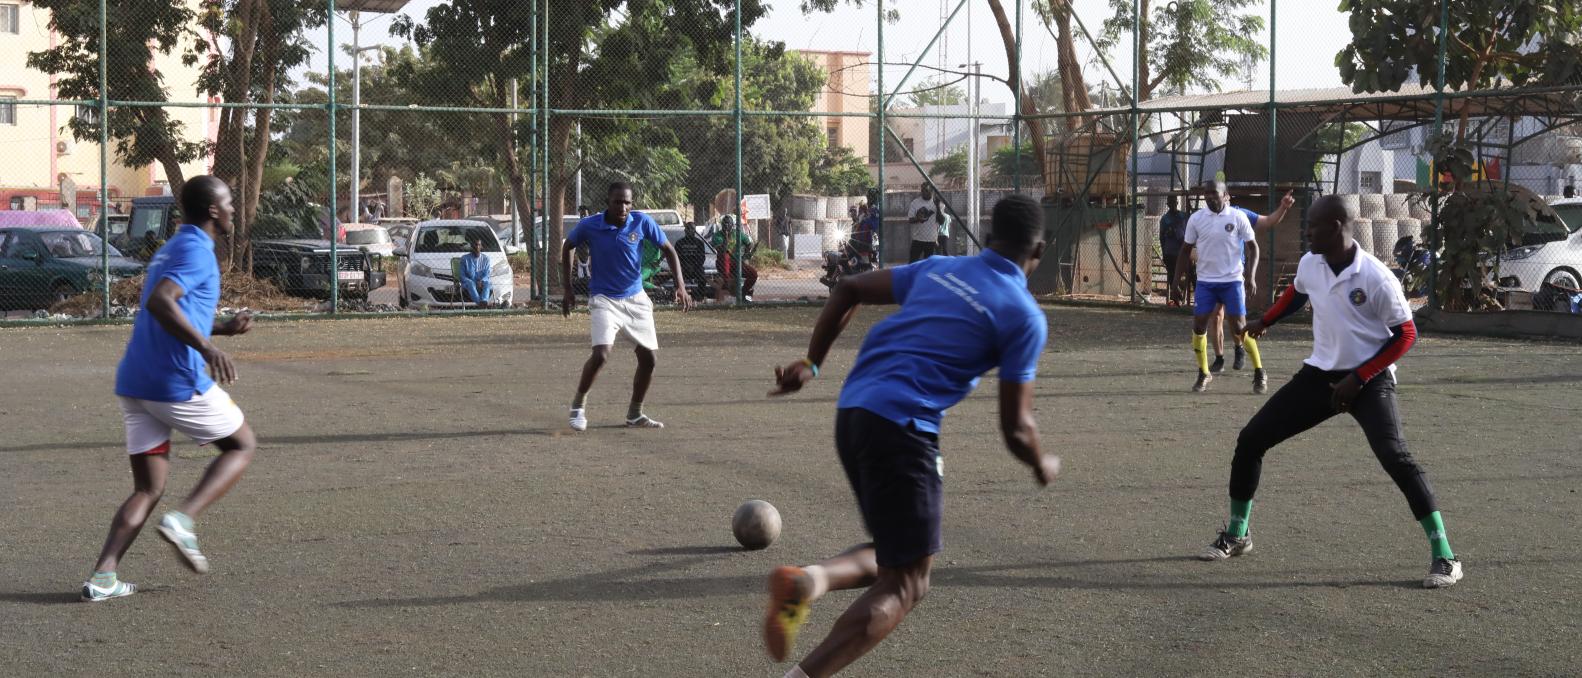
351	275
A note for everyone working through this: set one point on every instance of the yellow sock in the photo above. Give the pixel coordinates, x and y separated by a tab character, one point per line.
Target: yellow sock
1200	347
1251	345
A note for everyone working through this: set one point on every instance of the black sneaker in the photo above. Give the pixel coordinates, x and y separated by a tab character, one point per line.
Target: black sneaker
1203	379
1219	365
1444	573
1260	381
1226	546
1241	358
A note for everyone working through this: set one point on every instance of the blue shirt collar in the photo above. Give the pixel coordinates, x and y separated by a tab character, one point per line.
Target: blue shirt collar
202	234
605	224
1003	265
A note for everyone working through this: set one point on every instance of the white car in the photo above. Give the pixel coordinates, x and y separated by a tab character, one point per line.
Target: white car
375	239
1550	258
425	271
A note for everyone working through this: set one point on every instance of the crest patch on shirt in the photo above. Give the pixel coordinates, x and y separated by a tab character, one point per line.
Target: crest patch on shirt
633	237
1358	297
1230	227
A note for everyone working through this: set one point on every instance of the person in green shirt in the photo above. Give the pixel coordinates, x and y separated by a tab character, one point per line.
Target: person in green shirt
651	258
724	242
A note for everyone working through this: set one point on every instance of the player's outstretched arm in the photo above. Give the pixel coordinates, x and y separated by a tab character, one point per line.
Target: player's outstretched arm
570	300
164	304
869	288
1267	221
1021	430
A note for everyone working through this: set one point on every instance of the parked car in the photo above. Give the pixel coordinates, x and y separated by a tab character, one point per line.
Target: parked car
40	266
1549	261
400	229
426	268
299	266
371	237
52	218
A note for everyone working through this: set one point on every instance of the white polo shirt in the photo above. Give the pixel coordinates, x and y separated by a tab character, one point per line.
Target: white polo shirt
1219	238
1353	311
926	230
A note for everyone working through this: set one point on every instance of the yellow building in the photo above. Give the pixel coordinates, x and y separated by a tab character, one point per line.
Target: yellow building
38	149
846	91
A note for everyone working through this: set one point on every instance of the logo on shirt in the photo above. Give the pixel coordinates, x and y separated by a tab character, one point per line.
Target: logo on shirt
1357	297
1230	228
632	237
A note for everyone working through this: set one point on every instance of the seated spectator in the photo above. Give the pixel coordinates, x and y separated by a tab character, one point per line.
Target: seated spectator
726	241
474	278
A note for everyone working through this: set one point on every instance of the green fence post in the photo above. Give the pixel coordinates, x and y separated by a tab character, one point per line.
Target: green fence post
532	164
740	266
1016	104
335	268
1433	178
104	155
1274	115
1136	204
879	138
551	249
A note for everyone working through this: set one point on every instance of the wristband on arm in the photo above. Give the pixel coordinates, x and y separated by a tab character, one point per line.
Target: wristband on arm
808	363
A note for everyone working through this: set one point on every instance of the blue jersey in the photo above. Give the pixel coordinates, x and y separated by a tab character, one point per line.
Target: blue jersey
960	317
615	252
157	366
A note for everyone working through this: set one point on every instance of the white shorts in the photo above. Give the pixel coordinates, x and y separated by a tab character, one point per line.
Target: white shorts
205	418
632	316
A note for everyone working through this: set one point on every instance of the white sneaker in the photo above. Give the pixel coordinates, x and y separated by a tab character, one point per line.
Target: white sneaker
644	422
185	542
1444	573
579	419
1226	546
95	594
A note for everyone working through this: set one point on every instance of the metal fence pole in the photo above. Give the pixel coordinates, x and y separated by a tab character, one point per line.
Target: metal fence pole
739	265
551	249
1135	203
1433	178
879	138
1274	115
1016	115
329	108
534	221
104	155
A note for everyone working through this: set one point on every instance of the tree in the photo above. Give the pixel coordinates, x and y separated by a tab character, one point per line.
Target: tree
1186	43
1522	42
953	167
1005	167
837	171
1331	137
938	92
135	33
422	197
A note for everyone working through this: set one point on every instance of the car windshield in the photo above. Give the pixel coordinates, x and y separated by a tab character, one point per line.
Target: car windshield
454	238
367	236
666	218
1570	214
70	244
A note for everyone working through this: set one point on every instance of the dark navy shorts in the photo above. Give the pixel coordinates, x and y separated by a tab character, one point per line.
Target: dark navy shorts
895	472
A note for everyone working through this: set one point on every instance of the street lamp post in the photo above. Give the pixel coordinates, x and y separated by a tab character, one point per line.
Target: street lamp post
355	8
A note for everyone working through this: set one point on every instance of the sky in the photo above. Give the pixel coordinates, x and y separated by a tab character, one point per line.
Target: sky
1310	33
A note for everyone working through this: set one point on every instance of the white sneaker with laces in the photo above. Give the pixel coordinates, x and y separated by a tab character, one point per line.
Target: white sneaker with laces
96	594
185	542
644	422
1444	573
579	419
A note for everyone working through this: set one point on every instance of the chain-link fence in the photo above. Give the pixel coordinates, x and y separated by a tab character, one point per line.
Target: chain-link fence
779	145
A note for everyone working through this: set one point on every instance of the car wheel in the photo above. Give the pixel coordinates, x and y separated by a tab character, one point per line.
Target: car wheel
1554	298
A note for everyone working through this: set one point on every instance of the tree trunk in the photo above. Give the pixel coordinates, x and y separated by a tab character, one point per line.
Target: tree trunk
228	160
513	164
1035	127
555	202
1073	89
1144	72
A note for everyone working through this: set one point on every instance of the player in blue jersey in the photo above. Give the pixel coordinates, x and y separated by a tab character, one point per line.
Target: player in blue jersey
169	379
959	318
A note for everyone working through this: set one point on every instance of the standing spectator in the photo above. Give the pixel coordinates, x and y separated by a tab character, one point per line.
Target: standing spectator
692	252
925	233
1570	191
942	217
1172	228
474	278
725	245
376	211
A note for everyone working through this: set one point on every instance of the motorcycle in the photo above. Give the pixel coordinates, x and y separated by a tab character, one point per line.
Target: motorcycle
1411	261
849	254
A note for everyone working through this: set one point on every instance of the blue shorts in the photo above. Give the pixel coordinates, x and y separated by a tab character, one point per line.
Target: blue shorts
894	471
1230	294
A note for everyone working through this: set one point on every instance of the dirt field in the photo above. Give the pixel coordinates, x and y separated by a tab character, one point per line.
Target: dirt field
418	508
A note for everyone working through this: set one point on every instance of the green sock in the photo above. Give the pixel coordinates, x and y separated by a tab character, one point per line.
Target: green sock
1434	527
634	411
103	580
578	402
1240	511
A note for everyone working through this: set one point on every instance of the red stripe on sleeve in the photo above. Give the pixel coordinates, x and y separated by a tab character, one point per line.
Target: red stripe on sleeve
1401	339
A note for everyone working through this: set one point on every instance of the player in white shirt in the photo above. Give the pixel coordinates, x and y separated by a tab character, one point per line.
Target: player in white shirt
1224	241
1361	326
925	230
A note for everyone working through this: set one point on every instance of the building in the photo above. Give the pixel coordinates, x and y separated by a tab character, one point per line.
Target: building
846	91
930	133
39	150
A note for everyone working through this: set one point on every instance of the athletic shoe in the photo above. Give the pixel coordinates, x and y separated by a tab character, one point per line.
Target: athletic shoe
579	419
1226	546
1260	381
1241	358
185	542
643	422
1203	380
1218	366
1444	573
788	610
95	594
